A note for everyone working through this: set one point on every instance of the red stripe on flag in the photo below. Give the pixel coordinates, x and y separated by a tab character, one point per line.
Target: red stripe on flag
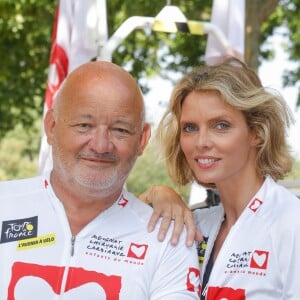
75	41
58	66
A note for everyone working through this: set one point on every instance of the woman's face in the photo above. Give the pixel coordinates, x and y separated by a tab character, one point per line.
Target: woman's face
215	139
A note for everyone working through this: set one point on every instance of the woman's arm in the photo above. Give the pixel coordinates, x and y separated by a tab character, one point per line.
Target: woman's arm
169	205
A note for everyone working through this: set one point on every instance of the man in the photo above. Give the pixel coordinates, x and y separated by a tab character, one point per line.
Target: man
76	233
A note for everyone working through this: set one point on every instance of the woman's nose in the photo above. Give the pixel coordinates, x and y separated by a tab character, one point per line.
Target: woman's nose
203	139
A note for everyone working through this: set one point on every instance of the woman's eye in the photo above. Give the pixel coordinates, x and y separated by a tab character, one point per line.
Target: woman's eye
222	125
189	128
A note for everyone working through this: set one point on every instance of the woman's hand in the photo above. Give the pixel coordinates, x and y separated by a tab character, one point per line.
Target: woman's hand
168	204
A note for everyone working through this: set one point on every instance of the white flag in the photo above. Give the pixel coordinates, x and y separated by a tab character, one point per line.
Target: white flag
75	40
229	17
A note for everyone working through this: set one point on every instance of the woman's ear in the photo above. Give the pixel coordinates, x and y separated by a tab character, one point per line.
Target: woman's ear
256	139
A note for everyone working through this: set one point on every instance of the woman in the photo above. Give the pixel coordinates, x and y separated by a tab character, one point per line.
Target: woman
225	131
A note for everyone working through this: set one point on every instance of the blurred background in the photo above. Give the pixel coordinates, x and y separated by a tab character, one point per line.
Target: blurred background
156	58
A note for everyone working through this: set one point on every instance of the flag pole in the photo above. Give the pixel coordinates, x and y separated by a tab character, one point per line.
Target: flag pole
121	33
102	27
108	45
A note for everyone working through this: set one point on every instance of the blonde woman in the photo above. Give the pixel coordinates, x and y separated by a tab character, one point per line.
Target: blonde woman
225	131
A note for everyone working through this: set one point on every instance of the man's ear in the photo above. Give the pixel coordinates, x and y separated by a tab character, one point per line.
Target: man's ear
145	137
49	124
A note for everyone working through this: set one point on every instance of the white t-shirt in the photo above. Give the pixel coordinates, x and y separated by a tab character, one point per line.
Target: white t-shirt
113	257
260	257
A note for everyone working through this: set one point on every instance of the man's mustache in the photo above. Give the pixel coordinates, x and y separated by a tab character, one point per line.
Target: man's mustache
107	156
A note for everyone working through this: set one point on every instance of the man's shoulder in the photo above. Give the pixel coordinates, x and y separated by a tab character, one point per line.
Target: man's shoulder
20	186
138	206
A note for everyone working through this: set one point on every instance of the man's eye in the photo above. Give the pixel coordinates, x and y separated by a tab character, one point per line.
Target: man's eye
83	127
120	131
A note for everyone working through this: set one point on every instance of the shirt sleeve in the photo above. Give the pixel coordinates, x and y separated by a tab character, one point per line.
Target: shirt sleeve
286	239
178	274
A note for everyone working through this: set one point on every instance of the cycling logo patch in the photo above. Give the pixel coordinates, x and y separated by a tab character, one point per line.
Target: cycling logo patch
20	229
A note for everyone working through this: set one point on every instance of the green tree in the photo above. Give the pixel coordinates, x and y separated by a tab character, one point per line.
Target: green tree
25	39
150	170
263	17
25	35
18	153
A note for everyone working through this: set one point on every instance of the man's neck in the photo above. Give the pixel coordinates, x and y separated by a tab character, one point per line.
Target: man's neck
83	204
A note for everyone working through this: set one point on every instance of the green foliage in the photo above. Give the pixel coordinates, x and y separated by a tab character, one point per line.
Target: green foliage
19	153
25	38
291	77
287	14
295	173
157	52
25	34
150	170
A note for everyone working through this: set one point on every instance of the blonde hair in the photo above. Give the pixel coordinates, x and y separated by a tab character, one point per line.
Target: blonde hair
266	114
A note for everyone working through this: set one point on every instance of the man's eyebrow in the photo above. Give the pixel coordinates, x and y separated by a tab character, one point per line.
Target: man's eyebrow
126	123
82	116
87	116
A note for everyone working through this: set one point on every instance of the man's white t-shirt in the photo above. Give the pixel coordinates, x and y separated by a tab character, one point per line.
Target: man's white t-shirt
114	257
260	257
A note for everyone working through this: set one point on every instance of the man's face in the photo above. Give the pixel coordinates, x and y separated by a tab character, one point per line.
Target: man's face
97	134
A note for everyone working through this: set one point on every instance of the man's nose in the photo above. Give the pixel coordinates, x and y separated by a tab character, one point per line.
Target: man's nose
101	140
